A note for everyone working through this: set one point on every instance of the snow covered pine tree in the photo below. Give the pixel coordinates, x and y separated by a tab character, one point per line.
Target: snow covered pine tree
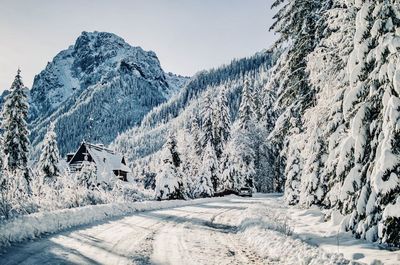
50	157
296	21
87	176
243	136
210	140
208	172
221	122
377	211
15	136
350	160
169	183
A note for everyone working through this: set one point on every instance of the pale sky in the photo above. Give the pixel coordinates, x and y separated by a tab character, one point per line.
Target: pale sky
187	35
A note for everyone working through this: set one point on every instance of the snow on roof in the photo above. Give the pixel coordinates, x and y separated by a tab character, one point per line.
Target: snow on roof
106	159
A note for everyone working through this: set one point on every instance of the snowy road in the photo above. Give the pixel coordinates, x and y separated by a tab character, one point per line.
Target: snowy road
199	234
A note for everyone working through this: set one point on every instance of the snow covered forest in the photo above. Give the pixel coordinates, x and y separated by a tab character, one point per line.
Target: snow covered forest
319	121
315	117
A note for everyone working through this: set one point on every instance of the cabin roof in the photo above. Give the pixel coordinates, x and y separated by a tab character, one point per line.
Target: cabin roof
105	158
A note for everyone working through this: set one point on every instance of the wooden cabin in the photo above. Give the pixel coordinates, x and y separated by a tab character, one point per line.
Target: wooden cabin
107	162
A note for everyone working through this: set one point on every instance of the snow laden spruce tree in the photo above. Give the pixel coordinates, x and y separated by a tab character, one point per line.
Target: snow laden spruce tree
298	23
209	140
14	176
328	152
246	108
196	134
15	136
295	21
222	131
228	174
191	153
87	176
264	150
207	124
371	188
244	135
221	122
208	172
190	161
169	182
238	159
50	157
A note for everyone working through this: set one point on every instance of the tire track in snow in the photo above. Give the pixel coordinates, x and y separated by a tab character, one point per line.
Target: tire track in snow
245	254
201	240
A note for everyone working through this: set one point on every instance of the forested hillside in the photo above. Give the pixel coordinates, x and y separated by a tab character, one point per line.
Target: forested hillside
321	121
215	94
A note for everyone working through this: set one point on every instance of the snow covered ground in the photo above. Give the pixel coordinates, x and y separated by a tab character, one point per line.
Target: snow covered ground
229	230
313	240
309	226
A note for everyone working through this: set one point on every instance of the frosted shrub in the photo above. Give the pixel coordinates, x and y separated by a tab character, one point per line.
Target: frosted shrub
128	192
269	220
66	191
280	223
14	197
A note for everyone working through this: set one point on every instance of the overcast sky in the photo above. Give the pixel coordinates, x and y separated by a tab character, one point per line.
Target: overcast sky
187	35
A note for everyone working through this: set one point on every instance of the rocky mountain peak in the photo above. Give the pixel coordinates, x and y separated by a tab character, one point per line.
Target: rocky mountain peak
100	78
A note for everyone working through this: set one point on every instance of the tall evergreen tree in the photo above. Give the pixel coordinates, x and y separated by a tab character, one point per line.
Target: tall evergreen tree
222	122
169	183
50	157
246	109
267	113
244	136
299	23
360	114
227	170
381	147
209	141
207	121
328	74
313	186
241	157
207	183
6	191
190	161
15	136
196	135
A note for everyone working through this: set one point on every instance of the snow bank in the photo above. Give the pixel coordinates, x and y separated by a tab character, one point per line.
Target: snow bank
315	227
34	225
267	231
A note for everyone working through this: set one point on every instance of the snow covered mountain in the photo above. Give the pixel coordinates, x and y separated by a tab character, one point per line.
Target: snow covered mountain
96	89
